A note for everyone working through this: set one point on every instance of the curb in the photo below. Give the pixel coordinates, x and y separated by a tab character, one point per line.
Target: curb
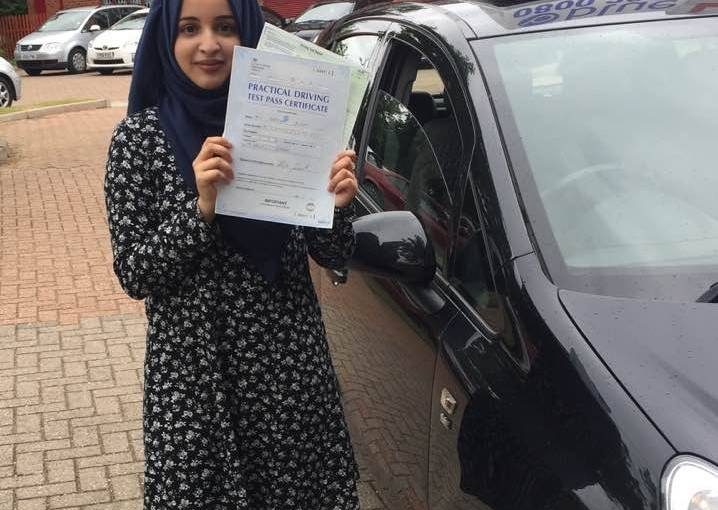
52	110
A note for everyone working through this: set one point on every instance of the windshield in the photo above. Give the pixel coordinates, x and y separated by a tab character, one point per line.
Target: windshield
70	20
326	12
611	133
131	22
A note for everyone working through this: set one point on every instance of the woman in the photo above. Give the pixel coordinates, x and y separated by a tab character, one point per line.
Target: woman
241	408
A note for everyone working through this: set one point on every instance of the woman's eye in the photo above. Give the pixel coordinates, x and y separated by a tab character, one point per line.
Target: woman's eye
227	28
188	29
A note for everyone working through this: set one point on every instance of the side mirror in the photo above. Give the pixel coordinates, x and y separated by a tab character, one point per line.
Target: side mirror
95	28
393	245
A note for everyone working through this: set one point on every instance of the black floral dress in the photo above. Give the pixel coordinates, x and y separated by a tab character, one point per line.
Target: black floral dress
241	407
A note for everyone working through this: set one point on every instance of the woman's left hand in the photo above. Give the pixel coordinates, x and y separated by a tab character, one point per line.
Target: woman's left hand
343	181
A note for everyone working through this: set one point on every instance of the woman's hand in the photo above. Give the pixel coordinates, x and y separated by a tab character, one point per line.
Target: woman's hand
343	181
212	166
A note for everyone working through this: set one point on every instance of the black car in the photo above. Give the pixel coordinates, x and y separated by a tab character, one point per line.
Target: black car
529	320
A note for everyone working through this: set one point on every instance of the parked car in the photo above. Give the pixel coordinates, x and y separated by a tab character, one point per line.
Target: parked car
61	42
10	85
528	321
318	16
115	48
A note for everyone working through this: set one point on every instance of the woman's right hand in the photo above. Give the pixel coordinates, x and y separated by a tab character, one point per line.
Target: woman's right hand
212	166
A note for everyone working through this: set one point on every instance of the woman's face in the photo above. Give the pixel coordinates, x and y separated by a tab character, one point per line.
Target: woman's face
207	34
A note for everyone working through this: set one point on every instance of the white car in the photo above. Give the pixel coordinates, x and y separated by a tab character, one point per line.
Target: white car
10	87
115	48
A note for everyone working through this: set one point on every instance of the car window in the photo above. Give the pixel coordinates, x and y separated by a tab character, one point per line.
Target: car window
131	22
471	271
413	147
114	15
64	20
326	12
610	131
99	18
358	49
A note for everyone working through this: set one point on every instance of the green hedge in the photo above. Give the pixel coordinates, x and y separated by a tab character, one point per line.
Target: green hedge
13	7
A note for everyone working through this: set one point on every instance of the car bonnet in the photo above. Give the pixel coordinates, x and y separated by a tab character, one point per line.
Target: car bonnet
665	355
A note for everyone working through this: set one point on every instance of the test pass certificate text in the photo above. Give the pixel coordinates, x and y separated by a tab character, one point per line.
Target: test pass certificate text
285	119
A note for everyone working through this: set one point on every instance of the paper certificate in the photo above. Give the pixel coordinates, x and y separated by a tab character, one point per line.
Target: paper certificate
276	40
285	117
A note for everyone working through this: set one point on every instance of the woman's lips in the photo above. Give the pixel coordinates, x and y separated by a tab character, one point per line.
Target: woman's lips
210	66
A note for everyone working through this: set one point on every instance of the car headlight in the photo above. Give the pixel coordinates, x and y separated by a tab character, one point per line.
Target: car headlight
50	47
690	483
130	45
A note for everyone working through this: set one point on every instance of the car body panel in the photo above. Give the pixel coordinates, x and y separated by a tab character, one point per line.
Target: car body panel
665	355
8	71
548	412
548	427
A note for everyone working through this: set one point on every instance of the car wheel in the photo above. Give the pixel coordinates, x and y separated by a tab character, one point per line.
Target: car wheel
5	93
105	71
33	72
77	61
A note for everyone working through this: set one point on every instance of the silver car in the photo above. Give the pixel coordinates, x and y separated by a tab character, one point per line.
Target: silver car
10	87
61	43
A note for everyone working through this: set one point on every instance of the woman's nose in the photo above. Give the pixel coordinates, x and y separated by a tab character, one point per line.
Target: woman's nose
209	43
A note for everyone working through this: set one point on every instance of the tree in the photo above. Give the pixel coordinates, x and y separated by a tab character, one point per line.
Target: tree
13	7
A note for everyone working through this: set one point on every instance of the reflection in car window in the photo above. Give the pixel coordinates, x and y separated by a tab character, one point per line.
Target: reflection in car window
414	147
612	135
357	49
114	15
326	12
131	22
402	171
471	273
64	21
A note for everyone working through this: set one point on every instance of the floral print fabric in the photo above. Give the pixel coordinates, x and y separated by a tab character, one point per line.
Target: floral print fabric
241	406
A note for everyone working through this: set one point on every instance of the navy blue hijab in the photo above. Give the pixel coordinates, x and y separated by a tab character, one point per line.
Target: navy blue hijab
189	114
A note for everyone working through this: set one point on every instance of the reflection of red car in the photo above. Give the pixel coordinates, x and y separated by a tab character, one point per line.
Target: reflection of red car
390	191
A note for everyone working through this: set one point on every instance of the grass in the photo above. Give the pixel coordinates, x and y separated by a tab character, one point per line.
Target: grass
24	107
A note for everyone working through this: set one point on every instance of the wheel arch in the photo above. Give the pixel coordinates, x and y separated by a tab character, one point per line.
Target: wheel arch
11	84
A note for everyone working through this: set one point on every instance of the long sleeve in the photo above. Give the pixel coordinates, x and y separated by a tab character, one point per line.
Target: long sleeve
150	256
332	248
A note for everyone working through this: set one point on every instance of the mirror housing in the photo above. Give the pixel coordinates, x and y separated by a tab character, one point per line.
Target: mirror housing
393	244
95	28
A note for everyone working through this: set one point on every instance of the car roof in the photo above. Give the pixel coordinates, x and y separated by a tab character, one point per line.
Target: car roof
481	19
92	8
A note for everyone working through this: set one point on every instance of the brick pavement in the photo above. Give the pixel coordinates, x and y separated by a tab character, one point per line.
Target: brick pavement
57	85
71	343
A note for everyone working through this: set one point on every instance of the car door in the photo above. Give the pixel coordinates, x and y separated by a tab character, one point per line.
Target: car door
384	335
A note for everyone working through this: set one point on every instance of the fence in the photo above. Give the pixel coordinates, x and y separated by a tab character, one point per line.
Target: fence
14	28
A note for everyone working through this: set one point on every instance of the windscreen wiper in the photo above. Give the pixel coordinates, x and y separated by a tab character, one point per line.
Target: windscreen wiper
711	295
